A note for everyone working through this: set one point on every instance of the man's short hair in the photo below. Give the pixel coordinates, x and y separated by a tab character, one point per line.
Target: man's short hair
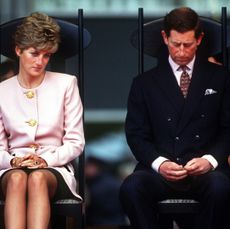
182	20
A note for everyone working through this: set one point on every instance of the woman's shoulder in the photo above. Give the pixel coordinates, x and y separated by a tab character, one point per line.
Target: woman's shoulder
8	82
58	77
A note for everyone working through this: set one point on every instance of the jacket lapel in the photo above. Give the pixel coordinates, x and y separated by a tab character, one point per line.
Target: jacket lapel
198	84
168	84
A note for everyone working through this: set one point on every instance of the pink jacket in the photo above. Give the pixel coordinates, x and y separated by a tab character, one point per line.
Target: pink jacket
46	120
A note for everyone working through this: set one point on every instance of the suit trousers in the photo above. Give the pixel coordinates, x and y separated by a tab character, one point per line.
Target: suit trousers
141	191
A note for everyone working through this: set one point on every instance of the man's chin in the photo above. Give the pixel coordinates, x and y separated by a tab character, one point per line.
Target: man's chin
182	62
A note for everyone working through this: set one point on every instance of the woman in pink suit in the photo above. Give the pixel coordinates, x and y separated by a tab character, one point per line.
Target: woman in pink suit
41	128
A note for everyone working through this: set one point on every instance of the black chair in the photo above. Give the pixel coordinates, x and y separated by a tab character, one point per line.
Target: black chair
142	39
74	39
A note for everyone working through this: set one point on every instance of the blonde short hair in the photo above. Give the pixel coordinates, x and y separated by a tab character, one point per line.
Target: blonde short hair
38	31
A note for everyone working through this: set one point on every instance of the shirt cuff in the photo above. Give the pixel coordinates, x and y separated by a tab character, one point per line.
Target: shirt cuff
211	160
157	162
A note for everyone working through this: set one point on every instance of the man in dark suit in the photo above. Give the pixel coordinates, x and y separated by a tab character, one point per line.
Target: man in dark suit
179	131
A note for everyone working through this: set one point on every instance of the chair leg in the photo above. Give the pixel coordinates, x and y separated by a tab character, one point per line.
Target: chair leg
2	219
185	221
80	223
165	221
58	221
2	223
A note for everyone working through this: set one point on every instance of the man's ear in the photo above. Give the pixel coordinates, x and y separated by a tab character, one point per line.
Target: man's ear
199	39
165	38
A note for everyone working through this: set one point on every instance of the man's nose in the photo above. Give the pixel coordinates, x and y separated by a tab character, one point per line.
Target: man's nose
181	50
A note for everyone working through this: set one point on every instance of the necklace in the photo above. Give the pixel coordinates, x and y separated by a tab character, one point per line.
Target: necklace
31	83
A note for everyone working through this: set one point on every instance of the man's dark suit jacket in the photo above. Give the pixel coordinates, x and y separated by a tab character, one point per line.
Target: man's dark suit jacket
160	122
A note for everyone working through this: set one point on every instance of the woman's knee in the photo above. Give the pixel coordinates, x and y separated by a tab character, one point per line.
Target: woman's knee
42	180
15	180
37	179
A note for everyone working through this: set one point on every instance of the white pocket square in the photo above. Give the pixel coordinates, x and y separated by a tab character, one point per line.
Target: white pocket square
210	91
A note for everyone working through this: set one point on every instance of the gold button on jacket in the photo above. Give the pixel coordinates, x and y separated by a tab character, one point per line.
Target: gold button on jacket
29	94
32	122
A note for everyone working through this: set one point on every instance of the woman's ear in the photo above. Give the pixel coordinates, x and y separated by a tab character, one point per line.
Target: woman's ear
18	51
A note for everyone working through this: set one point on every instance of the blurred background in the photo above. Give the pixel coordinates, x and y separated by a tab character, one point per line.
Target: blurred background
110	64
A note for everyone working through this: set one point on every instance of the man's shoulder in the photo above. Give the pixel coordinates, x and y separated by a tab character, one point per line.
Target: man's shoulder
147	75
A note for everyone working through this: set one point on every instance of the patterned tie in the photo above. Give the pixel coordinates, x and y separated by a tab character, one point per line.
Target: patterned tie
184	81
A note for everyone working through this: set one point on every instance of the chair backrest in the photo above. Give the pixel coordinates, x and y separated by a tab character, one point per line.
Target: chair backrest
217	40
74	40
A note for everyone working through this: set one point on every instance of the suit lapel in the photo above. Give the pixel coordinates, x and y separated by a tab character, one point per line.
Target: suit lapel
184	108
196	92
168	84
